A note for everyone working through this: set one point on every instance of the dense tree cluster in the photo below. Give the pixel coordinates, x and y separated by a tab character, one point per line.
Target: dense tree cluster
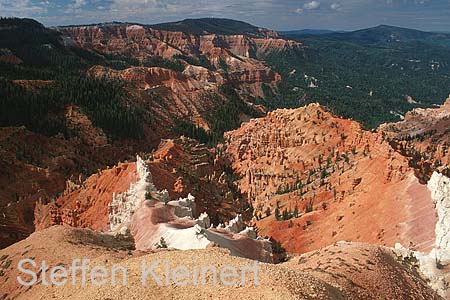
42	111
227	117
41	108
366	82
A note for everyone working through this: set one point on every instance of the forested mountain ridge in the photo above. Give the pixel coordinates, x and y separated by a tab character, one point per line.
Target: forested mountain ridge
392	34
373	76
211	26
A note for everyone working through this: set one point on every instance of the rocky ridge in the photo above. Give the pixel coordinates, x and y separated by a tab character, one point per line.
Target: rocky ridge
125	199
423	136
298	279
328	179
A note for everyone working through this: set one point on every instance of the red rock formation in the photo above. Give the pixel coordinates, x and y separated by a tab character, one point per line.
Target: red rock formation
347	183
80	124
36	168
142	41
174	159
8	57
423	136
241	54
87	206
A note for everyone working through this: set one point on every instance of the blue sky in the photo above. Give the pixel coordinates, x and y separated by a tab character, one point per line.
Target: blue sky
275	14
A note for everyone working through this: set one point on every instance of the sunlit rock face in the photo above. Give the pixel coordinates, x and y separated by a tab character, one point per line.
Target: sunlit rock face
155	221
423	137
439	186
434	265
343	182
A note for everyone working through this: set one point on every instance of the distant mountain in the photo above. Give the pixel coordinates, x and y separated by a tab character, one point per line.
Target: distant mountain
367	74
308	32
195	26
392	34
209	25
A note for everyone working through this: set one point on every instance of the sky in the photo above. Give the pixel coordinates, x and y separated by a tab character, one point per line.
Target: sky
430	15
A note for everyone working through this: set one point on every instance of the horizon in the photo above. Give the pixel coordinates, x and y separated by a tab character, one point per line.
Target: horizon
199	18
285	15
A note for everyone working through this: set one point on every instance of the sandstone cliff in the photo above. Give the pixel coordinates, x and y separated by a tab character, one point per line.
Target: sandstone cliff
36	168
423	136
330	180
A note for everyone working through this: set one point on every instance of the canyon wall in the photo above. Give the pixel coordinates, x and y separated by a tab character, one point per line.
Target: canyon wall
328	180
423	137
209	61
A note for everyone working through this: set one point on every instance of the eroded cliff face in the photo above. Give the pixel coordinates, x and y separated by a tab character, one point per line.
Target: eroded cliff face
37	168
85	204
143	41
434	264
423	136
181	167
236	59
240	54
125	200
331	180
168	95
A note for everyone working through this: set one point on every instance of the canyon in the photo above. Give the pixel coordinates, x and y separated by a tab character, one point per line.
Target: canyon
161	95
212	60
328	207
324	193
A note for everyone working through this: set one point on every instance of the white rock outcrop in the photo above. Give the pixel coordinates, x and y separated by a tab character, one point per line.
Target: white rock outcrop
434	265
123	205
184	207
439	185
149	215
236	225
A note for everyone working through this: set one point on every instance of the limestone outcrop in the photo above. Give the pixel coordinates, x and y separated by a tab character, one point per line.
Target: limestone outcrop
435	264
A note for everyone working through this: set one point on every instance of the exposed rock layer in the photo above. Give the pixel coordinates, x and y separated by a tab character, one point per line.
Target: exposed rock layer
347	183
424	138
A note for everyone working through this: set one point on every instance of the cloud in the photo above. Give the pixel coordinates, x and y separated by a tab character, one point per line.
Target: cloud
79	3
76	6
312	5
276	14
166	10
335	6
22	8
